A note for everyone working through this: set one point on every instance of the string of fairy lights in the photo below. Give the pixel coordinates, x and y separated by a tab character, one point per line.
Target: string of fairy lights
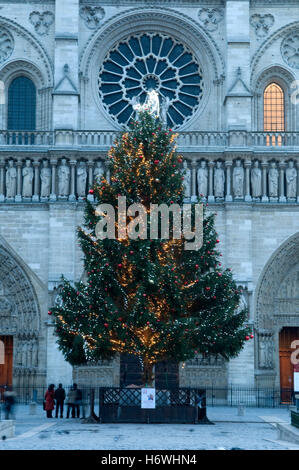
147	297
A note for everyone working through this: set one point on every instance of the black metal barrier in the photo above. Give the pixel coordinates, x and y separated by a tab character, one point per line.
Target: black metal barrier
182	405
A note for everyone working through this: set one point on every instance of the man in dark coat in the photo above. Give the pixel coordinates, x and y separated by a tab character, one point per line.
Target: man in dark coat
59	397
78	401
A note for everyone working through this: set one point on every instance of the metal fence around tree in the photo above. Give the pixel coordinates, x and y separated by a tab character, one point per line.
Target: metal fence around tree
230	396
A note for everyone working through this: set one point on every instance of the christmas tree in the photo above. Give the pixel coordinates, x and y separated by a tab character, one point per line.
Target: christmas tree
144	296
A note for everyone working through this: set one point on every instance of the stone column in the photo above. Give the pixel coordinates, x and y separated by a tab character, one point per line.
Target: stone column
247	165
193	188
107	172
72	196
2	166
18	197
228	165
90	197
53	196
35	197
264	167
298	182
211	197
282	197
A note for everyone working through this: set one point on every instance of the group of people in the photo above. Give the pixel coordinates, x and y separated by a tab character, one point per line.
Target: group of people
58	398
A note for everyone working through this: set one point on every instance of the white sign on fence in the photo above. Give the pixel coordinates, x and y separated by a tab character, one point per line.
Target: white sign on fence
148	398
296	381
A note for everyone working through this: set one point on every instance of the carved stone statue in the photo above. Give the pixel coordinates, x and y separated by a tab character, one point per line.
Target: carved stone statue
256	180
98	172
63	178
11	180
151	104
27	174
45	176
164	109
219	179
202	179
265	352
187	180
291	178
81	179
273	180
238	180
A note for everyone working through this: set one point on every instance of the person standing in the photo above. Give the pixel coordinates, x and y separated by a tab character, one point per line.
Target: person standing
49	400
59	396
9	401
78	400
70	400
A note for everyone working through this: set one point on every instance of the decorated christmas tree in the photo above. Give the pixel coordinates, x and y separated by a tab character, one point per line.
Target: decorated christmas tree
145	296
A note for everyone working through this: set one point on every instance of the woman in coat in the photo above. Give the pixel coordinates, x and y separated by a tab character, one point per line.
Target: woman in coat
49	401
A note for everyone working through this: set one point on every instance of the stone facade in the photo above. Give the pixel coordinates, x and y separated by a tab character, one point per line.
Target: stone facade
250	177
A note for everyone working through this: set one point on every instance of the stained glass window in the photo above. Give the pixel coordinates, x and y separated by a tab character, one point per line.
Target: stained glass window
150	61
21	105
274	120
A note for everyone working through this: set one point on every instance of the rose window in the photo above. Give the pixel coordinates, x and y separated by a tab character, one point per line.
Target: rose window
146	62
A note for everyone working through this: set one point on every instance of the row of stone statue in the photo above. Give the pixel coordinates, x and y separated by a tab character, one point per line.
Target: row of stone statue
253	182
69	180
42	182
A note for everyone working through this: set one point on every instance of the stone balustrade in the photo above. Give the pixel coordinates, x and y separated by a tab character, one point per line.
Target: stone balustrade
234	178
187	141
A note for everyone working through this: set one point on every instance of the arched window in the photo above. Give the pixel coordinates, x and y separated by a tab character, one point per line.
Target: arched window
21	111
274	113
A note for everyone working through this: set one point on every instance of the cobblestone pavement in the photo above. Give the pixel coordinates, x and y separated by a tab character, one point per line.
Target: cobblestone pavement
255	430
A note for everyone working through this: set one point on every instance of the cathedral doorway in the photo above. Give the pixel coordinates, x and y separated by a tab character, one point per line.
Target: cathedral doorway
277	318
286	336
19	325
6	361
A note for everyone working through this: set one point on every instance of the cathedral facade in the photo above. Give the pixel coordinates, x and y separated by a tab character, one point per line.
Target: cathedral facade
227	75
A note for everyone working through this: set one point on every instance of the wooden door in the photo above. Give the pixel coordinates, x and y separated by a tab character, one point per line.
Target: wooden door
286	337
6	368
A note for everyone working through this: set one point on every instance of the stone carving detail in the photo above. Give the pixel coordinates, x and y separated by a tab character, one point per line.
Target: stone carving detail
6	45
219	179
289	49
41	21
5	307
27	174
256	180
11	180
210	17
81	179
202	179
45	176
291	179
265	350
273	180
262	24
238	180
187	180
92	16
206	360
63	179
213	179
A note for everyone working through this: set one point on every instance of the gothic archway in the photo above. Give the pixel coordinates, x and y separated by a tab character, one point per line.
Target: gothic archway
20	322
277	307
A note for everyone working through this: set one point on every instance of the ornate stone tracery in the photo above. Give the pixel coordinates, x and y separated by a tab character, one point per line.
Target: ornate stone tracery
6	44
92	16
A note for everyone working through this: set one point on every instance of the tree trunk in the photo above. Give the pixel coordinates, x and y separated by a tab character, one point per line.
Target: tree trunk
148	375
92	418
